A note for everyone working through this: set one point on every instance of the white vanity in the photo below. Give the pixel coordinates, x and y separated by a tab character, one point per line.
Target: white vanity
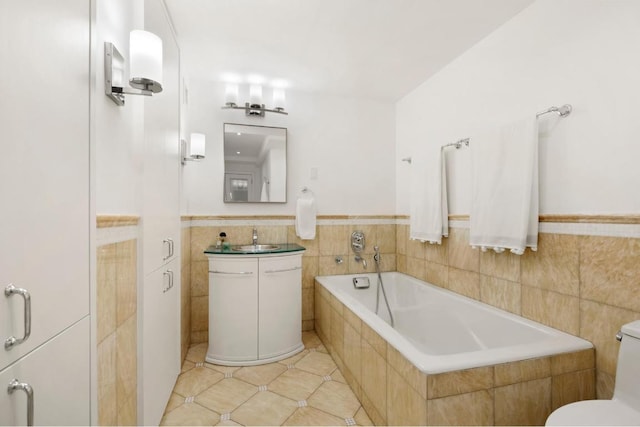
255	304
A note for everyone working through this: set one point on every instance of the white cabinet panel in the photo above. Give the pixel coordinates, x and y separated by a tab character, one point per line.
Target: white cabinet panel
160	340
44	167
280	298
233	310
58	373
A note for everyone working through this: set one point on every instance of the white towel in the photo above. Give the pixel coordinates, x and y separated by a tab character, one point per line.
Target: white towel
306	217
504	191
429	216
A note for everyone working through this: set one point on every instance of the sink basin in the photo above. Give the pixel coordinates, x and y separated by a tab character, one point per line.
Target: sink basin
255	248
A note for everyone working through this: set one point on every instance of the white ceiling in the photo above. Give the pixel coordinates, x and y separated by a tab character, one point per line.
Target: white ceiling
380	49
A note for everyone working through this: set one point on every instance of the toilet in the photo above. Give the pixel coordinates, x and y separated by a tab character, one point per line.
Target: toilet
624	408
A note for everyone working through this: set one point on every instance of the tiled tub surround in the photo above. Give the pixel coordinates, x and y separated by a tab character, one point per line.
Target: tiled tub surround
116	303
447	387
332	240
586	285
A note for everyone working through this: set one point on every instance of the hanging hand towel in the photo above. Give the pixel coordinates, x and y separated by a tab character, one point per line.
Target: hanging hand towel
504	201
429	213
306	217
263	193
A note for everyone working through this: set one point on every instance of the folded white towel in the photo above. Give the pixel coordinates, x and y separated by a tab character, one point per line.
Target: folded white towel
306	217
428	220
504	193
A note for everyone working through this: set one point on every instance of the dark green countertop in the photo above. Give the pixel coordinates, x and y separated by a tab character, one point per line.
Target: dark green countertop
235	249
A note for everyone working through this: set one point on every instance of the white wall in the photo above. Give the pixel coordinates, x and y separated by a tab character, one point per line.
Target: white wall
118	130
582	52
349	141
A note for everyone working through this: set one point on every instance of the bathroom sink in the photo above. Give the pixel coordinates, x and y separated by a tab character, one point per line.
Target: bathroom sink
255	248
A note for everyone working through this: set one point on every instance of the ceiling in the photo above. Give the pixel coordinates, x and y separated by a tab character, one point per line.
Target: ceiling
377	49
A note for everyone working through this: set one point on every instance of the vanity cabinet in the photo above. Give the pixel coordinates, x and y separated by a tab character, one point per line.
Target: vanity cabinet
255	308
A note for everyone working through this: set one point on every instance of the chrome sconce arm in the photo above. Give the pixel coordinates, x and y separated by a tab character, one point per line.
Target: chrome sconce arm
254	110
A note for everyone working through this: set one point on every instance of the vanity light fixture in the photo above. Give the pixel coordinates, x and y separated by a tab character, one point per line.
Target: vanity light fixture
196	148
255	106
145	67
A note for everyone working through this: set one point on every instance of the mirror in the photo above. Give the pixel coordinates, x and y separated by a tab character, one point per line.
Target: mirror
255	164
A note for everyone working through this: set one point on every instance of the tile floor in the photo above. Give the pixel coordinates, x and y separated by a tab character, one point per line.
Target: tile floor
305	389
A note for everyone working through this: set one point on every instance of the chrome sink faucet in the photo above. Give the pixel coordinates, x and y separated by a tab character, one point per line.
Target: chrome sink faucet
254	237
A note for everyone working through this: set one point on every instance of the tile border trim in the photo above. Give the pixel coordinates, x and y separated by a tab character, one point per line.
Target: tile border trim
107	221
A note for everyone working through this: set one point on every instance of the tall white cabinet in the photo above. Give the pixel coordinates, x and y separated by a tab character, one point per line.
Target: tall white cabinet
45	213
159	364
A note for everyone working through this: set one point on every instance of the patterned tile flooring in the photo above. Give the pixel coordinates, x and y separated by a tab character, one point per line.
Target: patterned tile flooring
305	389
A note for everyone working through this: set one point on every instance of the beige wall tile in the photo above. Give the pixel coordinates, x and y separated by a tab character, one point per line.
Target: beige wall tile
126	280
572	387
504	266
199	313
106	290
461	255
353	320
459	382
307	325
599	324
464	282
239	235
464	409
107	389
126	365
374	340
401	264
416	267
609	270
387	262
555	266
328	266
271	234
402	236
501	293
311	246
574	361
334	240
386	238
310	269
525	370
370	237
374	378
358	267
437	274
411	375
527	403
201	239
337	332
405	406
307	304
605	384
415	249
352	348
199	337
437	253
185	246
559	311
199	278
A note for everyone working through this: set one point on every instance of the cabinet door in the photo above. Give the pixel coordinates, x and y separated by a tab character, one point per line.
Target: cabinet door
58	373
160	340
280	301
44	168
233	310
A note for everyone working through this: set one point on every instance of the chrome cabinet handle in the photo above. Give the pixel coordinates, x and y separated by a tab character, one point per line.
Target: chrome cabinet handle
17	385
168	273
169	242
283	271
12	340
231	272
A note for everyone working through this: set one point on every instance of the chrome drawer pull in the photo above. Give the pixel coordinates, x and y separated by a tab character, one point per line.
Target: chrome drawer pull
283	271
17	385
231	272
170	274
12	340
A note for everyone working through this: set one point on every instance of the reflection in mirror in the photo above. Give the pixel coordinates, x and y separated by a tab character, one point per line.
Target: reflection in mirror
255	164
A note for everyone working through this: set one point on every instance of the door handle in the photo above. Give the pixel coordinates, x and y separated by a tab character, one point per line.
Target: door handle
12	341
17	385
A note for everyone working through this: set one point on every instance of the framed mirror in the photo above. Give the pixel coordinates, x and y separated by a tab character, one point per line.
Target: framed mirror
255	164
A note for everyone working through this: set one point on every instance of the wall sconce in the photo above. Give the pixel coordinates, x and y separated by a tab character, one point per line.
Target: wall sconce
197	148
145	67
254	107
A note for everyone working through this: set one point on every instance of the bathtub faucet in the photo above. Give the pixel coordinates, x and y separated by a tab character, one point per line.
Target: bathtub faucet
362	260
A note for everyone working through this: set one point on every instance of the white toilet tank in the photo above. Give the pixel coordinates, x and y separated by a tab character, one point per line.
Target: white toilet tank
624	408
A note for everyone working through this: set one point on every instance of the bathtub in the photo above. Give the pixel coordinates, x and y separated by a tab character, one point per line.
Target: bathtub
440	331
449	360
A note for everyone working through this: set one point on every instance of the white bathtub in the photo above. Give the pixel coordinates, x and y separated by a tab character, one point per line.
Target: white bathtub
441	331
